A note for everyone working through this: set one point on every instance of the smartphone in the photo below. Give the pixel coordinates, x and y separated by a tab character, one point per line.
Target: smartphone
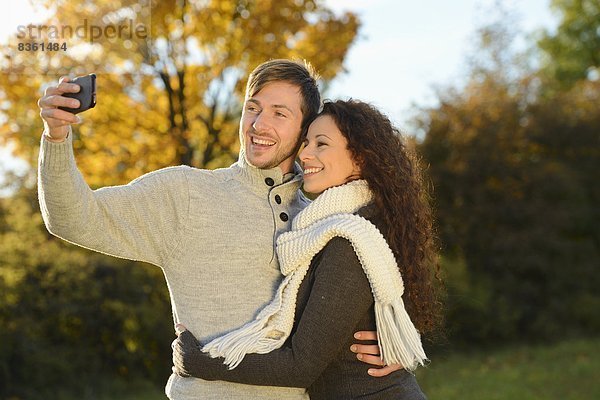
86	95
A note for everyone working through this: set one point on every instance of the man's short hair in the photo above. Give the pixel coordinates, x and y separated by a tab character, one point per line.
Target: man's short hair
298	73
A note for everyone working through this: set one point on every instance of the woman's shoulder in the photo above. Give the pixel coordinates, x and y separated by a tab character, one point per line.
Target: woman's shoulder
339	255
339	264
371	213
338	246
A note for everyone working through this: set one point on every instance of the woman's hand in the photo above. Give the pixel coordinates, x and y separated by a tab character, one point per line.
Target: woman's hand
186	349
370	354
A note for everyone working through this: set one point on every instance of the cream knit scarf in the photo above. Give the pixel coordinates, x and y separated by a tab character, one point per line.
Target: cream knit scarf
330	215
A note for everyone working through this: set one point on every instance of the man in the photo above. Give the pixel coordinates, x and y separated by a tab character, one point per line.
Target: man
211	232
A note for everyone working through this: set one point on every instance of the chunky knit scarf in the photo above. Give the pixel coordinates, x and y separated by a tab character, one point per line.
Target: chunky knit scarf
330	215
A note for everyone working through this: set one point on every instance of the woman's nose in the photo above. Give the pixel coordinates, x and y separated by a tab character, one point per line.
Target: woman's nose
305	154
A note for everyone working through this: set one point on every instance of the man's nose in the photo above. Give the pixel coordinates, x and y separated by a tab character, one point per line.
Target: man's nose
261	123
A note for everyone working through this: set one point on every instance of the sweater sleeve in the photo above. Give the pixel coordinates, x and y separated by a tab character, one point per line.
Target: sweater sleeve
340	297
138	221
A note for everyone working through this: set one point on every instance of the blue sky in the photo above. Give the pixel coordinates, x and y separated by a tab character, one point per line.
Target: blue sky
405	48
408	47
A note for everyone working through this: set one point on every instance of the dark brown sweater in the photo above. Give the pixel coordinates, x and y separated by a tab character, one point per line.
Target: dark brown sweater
334	301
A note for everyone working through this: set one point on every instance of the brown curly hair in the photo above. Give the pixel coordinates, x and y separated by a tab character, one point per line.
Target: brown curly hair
393	174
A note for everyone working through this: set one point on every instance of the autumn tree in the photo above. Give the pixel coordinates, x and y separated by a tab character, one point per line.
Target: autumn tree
173	98
69	315
513	175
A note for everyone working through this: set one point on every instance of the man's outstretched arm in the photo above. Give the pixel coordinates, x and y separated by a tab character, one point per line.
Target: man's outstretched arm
139	221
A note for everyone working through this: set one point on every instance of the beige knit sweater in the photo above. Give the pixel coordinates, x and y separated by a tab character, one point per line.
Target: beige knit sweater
211	232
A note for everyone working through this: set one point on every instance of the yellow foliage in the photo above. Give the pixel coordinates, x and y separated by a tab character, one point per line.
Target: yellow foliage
173	99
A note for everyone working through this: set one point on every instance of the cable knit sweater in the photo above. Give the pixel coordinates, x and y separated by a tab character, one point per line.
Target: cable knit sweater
211	232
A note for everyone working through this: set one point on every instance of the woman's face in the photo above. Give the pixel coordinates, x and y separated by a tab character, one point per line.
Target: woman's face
325	158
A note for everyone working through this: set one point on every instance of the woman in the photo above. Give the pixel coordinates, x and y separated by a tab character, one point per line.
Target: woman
341	274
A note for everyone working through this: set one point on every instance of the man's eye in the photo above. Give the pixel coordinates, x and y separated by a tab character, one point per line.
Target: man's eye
280	114
251	108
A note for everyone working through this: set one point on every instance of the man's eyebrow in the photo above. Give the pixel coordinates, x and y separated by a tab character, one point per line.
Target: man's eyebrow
276	106
284	107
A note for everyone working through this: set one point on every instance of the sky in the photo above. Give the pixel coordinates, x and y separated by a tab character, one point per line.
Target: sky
404	50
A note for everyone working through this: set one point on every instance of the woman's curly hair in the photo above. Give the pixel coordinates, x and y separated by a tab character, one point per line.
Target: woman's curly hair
393	174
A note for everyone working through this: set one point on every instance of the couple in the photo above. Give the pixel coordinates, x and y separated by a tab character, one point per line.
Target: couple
224	237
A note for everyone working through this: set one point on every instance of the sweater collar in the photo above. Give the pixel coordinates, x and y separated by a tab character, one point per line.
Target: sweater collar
269	177
259	177
347	198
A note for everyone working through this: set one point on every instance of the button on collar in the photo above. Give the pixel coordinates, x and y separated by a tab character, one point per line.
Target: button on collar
284	217
269	181
277	199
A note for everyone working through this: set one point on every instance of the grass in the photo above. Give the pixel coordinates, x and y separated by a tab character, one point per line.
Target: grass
566	371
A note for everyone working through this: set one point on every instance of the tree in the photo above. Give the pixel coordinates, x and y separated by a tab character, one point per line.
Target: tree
573	52
174	99
68	315
513	176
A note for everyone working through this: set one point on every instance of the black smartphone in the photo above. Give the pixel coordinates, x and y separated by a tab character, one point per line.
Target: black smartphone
86	95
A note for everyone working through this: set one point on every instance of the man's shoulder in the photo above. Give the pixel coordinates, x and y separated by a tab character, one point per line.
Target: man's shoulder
185	172
221	177
168	174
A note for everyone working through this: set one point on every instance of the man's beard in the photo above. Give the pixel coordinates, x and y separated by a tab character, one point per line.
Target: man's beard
276	161
279	157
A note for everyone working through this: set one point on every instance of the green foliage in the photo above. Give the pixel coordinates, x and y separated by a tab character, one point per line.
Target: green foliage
516	195
69	315
517	204
573	52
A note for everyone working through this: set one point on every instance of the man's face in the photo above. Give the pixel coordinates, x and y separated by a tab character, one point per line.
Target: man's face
271	123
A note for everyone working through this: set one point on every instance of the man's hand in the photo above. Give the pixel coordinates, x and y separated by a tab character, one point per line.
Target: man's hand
370	354
56	121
